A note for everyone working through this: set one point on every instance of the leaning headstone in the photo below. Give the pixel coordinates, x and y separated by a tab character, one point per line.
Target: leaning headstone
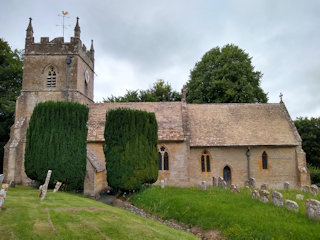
234	188
264	186
255	195
286	185
40	191
1	178
3	194
291	205
299	197
313	209
162	183
264	196
12	184
45	186
277	198
314	189
224	184
204	185
58	185
214	181
252	183
305	189
220	180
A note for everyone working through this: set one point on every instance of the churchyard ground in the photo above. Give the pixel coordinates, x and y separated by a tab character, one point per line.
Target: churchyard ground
70	216
237	216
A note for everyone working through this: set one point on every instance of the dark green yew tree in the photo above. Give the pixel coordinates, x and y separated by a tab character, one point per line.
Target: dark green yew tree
131	148
57	140
225	75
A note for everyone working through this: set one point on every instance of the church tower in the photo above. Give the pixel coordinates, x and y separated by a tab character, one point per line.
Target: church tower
53	70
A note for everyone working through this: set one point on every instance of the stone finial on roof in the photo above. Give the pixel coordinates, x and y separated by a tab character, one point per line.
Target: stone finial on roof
91	48
281	95
30	29
77	29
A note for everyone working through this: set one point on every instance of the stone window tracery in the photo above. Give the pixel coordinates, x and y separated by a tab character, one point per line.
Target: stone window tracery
205	162
163	159
264	160
51	79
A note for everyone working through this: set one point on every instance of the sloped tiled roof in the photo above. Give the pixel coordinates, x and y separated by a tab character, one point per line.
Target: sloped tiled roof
168	115
240	125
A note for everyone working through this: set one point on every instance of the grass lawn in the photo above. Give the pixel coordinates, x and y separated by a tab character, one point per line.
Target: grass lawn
70	216
237	216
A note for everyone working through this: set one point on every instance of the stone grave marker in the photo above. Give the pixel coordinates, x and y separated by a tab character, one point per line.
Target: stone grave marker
286	185
291	205
58	185
264	186
162	183
299	197
3	194
234	188
255	195
314	189
204	185
252	183
214	181
277	198
220	180
264	196
45	186
313	209
305	189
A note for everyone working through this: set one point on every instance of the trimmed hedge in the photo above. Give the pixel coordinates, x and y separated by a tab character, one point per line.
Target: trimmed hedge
314	174
131	148
56	140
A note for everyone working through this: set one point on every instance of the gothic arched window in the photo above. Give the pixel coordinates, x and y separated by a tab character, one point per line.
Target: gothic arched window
264	160
51	78
205	162
163	159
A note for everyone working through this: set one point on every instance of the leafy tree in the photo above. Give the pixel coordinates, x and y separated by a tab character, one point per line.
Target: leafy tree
11	63
309	130
160	92
225	75
57	140
131	149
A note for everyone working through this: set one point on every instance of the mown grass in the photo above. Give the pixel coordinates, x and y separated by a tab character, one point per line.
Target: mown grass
69	216
237	216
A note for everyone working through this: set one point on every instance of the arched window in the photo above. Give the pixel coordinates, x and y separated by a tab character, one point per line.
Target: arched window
205	162
264	160
163	159
51	79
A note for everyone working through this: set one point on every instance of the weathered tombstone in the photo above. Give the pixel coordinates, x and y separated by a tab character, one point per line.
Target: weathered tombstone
277	198
58	185
305	189
286	185
313	209
3	194
214	181
12	184
224	184
220	180
204	185
1	178
299	197
264	196
162	183
234	188
314	189
40	191
255	195
291	205
246	184
45	186
264	186
252	183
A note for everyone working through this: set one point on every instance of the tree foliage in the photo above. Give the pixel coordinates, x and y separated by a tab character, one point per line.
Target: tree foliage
160	92
225	75
309	130
131	148
57	140
10	85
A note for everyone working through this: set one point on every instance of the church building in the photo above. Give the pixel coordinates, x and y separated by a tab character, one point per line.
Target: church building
197	142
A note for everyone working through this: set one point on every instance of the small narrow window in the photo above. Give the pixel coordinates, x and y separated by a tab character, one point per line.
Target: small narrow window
203	168
205	162
264	160
208	164
166	161
163	159
51	79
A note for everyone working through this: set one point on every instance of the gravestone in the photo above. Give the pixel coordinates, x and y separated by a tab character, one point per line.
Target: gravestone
252	183
58	185
264	186
264	196
220	180
291	205
234	188
299	197
224	184
314	189
313	209
286	185
204	185
214	181
45	186
3	194
255	195
277	198
162	183
1	178
305	189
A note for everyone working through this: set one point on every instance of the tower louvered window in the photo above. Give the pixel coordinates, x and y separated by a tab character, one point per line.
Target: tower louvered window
163	159
51	79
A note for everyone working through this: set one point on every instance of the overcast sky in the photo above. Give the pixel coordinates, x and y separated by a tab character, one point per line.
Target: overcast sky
138	42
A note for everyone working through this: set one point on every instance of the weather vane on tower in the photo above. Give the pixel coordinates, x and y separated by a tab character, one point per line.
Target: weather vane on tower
64	14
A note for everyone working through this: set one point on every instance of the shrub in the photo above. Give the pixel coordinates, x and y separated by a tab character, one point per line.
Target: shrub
314	174
131	148
56	140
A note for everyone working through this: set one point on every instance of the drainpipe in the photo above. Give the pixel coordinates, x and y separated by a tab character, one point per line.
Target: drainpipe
248	153
68	61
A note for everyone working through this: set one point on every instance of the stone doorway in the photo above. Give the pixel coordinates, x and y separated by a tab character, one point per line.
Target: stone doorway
227	174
